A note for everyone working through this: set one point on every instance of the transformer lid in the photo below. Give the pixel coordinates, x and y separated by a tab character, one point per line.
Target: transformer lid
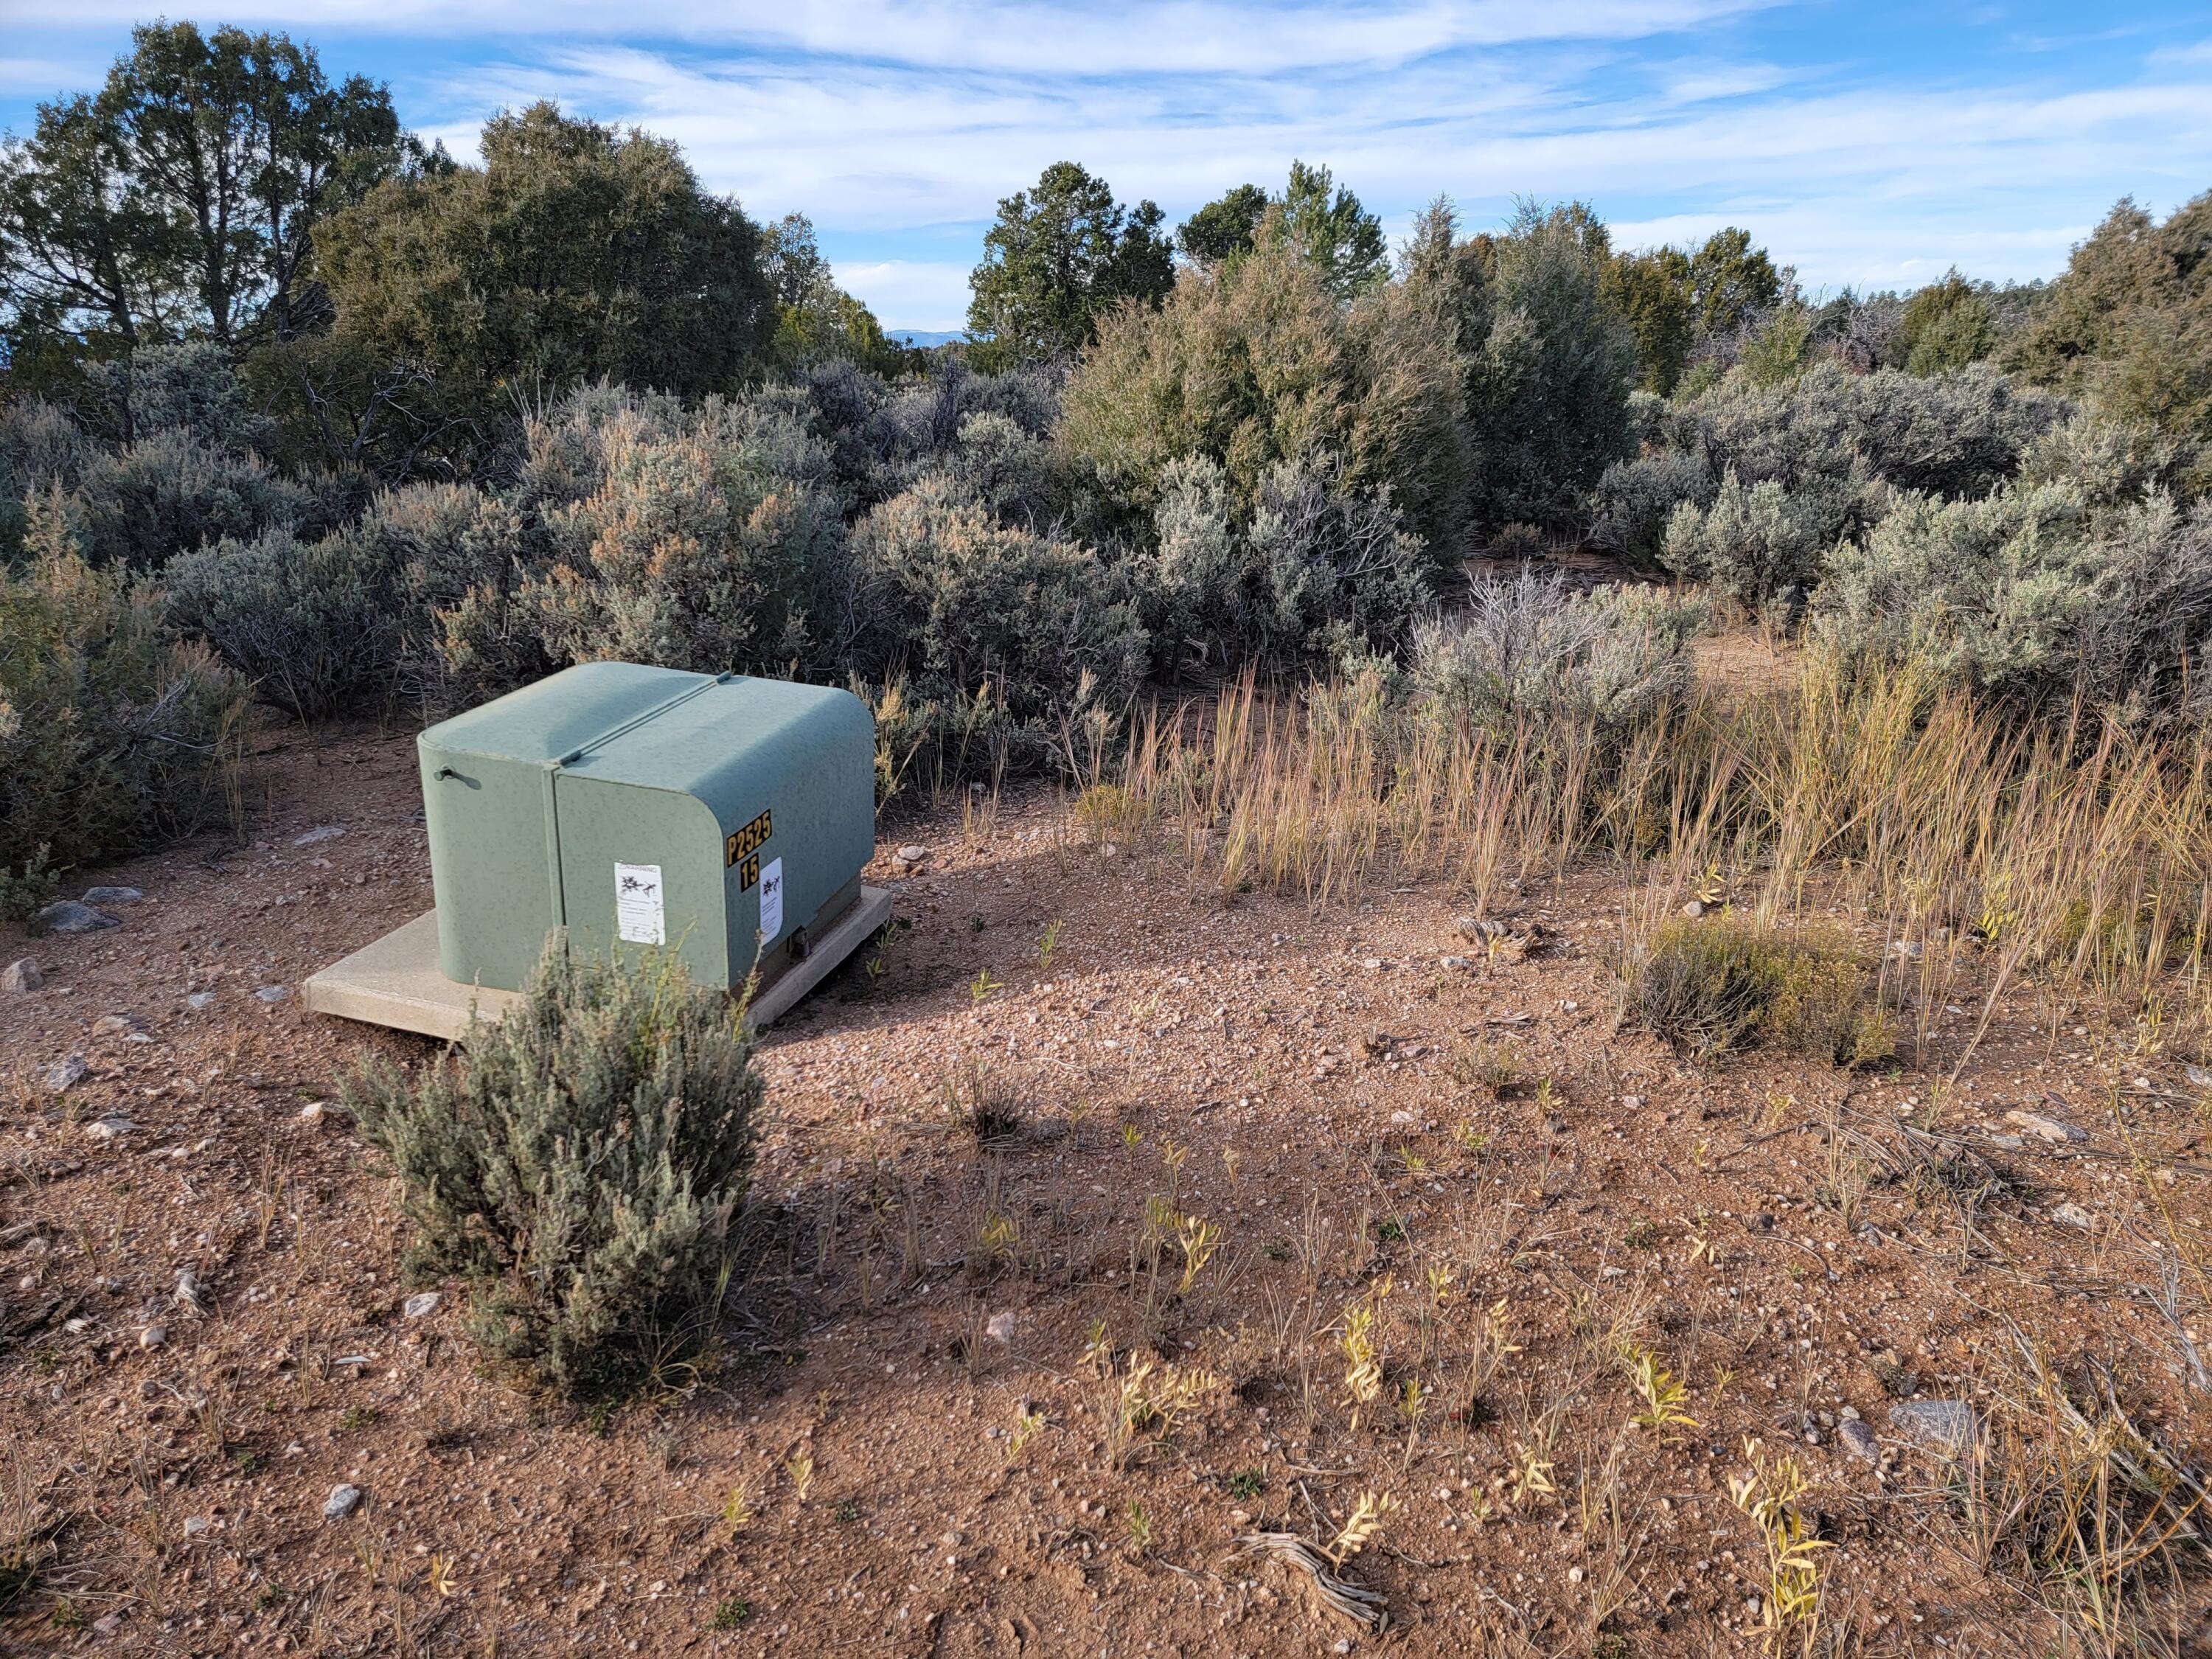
734	742
564	713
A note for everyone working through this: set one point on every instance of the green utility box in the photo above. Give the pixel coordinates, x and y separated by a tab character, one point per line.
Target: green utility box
639	806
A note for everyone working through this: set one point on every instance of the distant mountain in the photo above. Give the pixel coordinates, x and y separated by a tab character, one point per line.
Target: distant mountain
923	337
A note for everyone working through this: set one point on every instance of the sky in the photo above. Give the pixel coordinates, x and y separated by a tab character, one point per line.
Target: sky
1865	143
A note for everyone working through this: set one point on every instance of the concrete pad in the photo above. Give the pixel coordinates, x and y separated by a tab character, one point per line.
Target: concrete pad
396	981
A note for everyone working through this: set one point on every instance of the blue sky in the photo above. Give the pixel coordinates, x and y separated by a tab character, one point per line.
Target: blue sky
1873	144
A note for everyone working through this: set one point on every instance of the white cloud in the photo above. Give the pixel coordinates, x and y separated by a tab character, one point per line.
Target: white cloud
889	122
41	78
1166	36
910	293
1995	179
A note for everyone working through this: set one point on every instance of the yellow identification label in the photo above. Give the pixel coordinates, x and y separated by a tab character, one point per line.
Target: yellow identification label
743	843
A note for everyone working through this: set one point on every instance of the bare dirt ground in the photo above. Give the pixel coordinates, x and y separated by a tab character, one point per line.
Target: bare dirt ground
907	1443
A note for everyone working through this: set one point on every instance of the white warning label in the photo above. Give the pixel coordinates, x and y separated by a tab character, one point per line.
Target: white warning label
641	917
771	922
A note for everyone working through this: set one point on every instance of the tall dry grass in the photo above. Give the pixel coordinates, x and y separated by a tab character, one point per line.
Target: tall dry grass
1978	844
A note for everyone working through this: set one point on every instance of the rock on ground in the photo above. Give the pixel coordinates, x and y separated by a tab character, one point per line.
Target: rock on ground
68	916
21	975
1943	1426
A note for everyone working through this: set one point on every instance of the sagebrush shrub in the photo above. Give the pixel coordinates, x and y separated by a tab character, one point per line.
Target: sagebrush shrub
708	538
2112	462
168	493
189	386
1319	570
2034	593
316	627
1727	982
1632	502
442	541
39	447
582	1162
956	599
114	738
1949	435
1752	543
1529	651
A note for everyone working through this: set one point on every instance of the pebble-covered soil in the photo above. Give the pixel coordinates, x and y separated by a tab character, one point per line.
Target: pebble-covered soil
231	1427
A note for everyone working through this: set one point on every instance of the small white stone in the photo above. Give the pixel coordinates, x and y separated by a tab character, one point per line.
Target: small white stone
423	1305
1000	1327
273	993
153	1336
343	1501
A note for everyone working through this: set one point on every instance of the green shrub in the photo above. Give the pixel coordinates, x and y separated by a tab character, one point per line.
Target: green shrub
2129	324
1728	982
956	599
1318	570
168	493
582	1163
1753	544
1549	365
1530	651
2034	593
113	737
315	626
1254	364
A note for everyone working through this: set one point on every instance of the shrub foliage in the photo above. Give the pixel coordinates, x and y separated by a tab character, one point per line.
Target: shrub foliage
114	738
582	1163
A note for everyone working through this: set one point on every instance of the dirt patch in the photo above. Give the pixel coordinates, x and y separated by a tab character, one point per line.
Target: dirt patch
919	1435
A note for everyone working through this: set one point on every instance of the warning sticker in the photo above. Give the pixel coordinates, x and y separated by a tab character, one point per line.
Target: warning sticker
640	916
771	922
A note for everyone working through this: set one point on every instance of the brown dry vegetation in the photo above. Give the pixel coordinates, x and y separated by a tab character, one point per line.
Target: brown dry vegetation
1181	1231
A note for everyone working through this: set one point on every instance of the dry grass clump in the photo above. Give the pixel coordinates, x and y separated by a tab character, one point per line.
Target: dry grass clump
1728	982
2067	1495
983	1105
1984	846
